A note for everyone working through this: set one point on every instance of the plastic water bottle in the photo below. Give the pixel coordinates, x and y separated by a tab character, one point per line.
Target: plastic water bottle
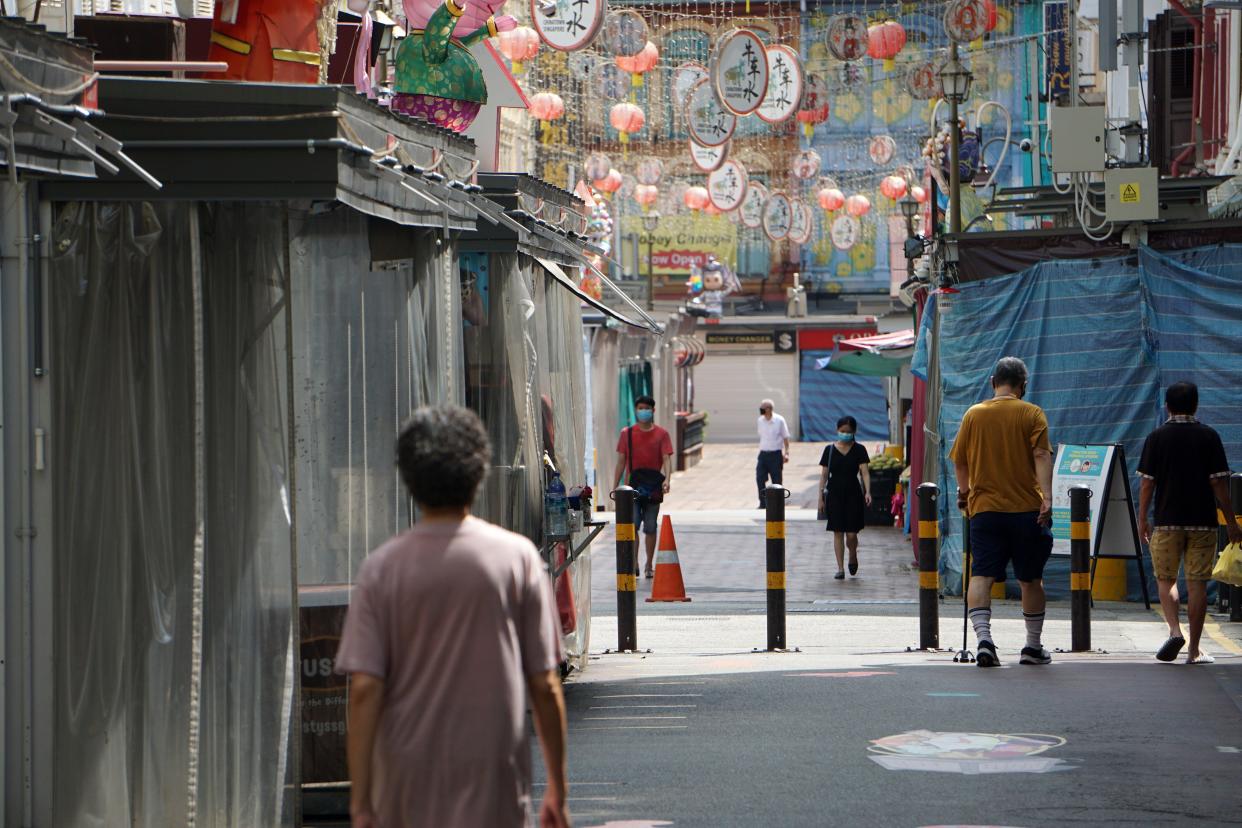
556	508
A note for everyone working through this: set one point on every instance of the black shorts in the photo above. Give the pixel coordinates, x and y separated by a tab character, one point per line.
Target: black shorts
996	538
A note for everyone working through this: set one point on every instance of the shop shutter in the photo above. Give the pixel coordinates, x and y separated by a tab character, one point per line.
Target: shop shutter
729	387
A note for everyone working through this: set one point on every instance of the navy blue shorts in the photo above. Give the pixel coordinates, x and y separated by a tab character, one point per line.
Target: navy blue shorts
646	516
996	538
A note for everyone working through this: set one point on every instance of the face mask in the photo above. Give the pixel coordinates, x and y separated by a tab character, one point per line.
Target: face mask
763	411
645	415
845	437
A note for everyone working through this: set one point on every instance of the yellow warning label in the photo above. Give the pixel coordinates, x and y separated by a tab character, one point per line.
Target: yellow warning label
1130	193
1080	530
776	530
627	583
776	580
625	531
929	529
1080	580
929	580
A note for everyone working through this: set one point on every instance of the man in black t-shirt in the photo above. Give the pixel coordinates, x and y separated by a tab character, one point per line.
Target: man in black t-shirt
1185	467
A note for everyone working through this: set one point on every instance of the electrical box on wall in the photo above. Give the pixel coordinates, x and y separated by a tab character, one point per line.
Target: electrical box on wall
1132	194
1077	139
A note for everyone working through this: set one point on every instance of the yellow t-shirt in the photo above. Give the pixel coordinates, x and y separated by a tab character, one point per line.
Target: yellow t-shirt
995	441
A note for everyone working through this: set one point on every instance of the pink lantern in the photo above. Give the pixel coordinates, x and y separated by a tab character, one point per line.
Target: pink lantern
696	198
893	186
626	118
519	45
885	40
646	194
858	205
547	106
642	62
609	183
989	15
830	198
918	194
712	209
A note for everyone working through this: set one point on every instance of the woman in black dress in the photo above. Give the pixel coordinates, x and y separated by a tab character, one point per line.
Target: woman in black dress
840	494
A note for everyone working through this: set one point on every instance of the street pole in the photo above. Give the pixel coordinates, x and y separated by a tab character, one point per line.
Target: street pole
955	167
650	272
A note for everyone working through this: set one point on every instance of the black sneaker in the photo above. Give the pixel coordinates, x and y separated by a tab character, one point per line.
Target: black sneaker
986	655
1035	655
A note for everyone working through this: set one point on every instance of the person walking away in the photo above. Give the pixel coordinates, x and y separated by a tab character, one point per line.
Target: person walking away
451	630
841	495
1004	476
1184	469
645	456
773	448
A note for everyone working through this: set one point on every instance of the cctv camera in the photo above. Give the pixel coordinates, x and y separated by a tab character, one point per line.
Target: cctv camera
1025	145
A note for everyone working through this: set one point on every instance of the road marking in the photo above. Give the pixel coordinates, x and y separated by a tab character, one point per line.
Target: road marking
846	674
572	784
667	683
953	695
626	718
651	696
633	727
1228	749
590	799
641	706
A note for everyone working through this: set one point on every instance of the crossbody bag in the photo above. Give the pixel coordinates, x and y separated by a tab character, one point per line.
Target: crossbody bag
649	483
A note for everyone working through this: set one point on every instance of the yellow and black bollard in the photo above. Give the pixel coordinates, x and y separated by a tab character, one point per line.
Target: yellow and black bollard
627	581
1080	568
774	496
929	563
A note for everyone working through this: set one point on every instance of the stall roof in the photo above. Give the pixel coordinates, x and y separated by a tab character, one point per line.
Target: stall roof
226	141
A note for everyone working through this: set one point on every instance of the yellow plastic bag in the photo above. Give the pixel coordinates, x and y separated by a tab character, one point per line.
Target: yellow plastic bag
1228	569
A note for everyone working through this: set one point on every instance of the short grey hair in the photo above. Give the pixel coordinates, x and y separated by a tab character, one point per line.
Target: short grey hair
1009	371
767	404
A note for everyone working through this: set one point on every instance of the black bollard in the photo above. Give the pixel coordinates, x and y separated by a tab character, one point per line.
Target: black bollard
929	562
627	581
774	497
1235	592
1080	568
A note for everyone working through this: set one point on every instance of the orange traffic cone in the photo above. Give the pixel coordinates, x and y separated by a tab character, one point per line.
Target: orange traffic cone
668	585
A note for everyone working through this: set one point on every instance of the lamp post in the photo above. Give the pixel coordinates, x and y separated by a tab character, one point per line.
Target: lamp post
650	222
910	209
955	80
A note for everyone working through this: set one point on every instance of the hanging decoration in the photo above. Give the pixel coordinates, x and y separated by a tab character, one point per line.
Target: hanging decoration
685	77
567	25
893	186
546	107
696	197
845	232
801	222
625	119
806	165
610	183
919	194
967	20
884	41
610	82
519	45
625	33
708	158
709	122
849	74
649	171
640	63
751	211
437	78
646	195
777	216
858	205
882	148
784	85
739	71
847	37
831	199
712	210
814	108
597	166
726	187
936	152
923	82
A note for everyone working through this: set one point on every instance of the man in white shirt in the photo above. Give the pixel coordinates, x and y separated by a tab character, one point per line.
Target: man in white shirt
773	448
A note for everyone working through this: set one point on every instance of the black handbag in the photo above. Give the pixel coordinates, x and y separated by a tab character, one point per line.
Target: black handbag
649	483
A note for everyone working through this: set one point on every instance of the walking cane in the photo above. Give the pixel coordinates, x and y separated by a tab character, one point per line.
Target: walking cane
965	656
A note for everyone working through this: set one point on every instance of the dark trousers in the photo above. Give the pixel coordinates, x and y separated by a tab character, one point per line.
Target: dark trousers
770	464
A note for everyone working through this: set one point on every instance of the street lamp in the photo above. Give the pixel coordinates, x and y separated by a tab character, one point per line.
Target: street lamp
913	247
955	81
650	222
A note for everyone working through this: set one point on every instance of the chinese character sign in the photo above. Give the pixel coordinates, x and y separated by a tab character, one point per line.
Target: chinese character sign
784	85
727	186
710	123
740	71
568	25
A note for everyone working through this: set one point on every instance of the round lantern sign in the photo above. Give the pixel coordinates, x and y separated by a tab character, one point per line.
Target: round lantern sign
727	186
801	224
845	232
882	148
751	211
684	79
847	37
806	165
923	82
649	171
777	216
625	33
784	85
597	166
610	82
739	71
567	25
966	20
710	123
708	158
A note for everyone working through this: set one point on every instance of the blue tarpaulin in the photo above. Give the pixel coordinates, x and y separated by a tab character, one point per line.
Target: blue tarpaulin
825	396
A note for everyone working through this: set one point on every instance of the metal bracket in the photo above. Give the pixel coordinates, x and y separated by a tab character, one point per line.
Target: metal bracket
576	552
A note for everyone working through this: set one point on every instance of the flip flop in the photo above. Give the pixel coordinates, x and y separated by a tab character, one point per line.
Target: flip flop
1170	648
1201	658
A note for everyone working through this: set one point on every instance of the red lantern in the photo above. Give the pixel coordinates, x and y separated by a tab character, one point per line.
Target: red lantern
626	118
885	40
712	209
814	109
830	198
547	106
696	198
918	194
894	187
518	45
646	194
989	15
642	62
858	205
609	183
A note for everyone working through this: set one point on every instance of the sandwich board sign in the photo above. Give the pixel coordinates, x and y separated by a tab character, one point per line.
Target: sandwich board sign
1114	529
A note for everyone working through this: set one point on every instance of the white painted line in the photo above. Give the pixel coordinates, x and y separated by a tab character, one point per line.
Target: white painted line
632	727
667	683
643	706
652	696
590	799
626	718
573	783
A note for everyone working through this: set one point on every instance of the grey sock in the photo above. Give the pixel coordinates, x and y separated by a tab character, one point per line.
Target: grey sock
1034	628
981	620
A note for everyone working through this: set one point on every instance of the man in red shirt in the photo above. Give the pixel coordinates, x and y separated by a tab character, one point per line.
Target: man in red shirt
649	472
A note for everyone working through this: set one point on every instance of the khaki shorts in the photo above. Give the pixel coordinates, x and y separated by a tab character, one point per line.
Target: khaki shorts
1169	546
